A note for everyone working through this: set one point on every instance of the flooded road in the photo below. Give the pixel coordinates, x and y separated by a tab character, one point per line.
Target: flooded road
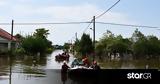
45	70
28	70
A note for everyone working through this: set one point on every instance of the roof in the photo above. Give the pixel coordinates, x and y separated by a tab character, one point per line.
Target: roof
6	35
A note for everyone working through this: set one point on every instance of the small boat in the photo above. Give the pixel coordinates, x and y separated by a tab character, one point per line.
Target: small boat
78	69
62	57
81	72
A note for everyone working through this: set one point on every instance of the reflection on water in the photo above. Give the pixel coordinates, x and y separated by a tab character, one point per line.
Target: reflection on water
132	64
64	77
45	70
33	70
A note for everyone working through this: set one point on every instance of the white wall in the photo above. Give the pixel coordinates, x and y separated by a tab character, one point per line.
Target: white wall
2	40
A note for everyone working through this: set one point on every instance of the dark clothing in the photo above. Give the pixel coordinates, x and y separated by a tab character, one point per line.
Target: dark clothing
63	77
95	67
64	68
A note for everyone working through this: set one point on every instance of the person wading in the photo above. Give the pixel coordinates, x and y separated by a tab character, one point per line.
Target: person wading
64	70
65	67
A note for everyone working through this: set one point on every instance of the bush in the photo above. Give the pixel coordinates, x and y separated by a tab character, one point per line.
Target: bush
49	50
20	51
34	45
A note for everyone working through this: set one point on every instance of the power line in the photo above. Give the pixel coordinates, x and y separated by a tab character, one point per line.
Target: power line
108	9
45	23
101	15
88	26
129	25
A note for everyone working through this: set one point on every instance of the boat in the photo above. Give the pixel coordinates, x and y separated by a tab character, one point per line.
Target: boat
79	69
79	73
62	57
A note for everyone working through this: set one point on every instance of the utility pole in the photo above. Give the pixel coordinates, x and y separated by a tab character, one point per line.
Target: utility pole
76	35
93	37
12	30
10	70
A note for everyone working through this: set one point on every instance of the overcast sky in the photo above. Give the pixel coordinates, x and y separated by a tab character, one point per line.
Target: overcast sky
138	12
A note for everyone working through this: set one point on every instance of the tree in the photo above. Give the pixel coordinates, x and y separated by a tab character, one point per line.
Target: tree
76	46
153	46
43	33
85	45
110	44
66	46
139	44
34	45
19	37
37	42
137	35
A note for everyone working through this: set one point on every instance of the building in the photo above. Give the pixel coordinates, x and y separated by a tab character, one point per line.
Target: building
5	40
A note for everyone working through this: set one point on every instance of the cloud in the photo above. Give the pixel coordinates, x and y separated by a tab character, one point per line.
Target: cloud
3	2
83	12
62	33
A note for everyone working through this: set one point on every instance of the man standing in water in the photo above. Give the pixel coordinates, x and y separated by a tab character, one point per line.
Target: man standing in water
64	70
65	67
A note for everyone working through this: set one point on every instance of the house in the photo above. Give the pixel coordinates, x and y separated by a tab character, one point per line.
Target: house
5	40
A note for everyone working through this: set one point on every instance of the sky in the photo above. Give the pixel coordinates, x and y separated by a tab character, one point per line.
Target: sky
136	12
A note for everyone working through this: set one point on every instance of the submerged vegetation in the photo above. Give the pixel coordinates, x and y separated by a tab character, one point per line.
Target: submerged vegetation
111	46
35	44
83	46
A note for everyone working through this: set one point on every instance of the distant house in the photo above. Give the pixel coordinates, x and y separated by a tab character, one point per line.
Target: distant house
5	40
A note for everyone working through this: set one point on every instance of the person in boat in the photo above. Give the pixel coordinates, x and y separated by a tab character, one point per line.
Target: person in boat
95	66
75	63
85	62
65	67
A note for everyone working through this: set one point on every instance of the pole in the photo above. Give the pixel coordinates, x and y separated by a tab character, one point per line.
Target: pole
93	37
76	35
10	69
12	30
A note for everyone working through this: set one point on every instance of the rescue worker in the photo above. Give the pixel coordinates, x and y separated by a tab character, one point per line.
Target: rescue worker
95	66
65	67
85	62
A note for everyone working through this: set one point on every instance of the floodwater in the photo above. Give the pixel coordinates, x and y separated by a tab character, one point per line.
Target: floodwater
44	70
30	70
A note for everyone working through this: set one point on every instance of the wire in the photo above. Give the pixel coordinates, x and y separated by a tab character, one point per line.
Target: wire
129	25
88	26
44	23
143	26
108	9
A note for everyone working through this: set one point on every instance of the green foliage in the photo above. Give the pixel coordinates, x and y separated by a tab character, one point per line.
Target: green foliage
42	33
49	50
111	44
153	45
19	51
146	47
66	46
85	45
138	45
34	45
19	37
77	45
37	43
